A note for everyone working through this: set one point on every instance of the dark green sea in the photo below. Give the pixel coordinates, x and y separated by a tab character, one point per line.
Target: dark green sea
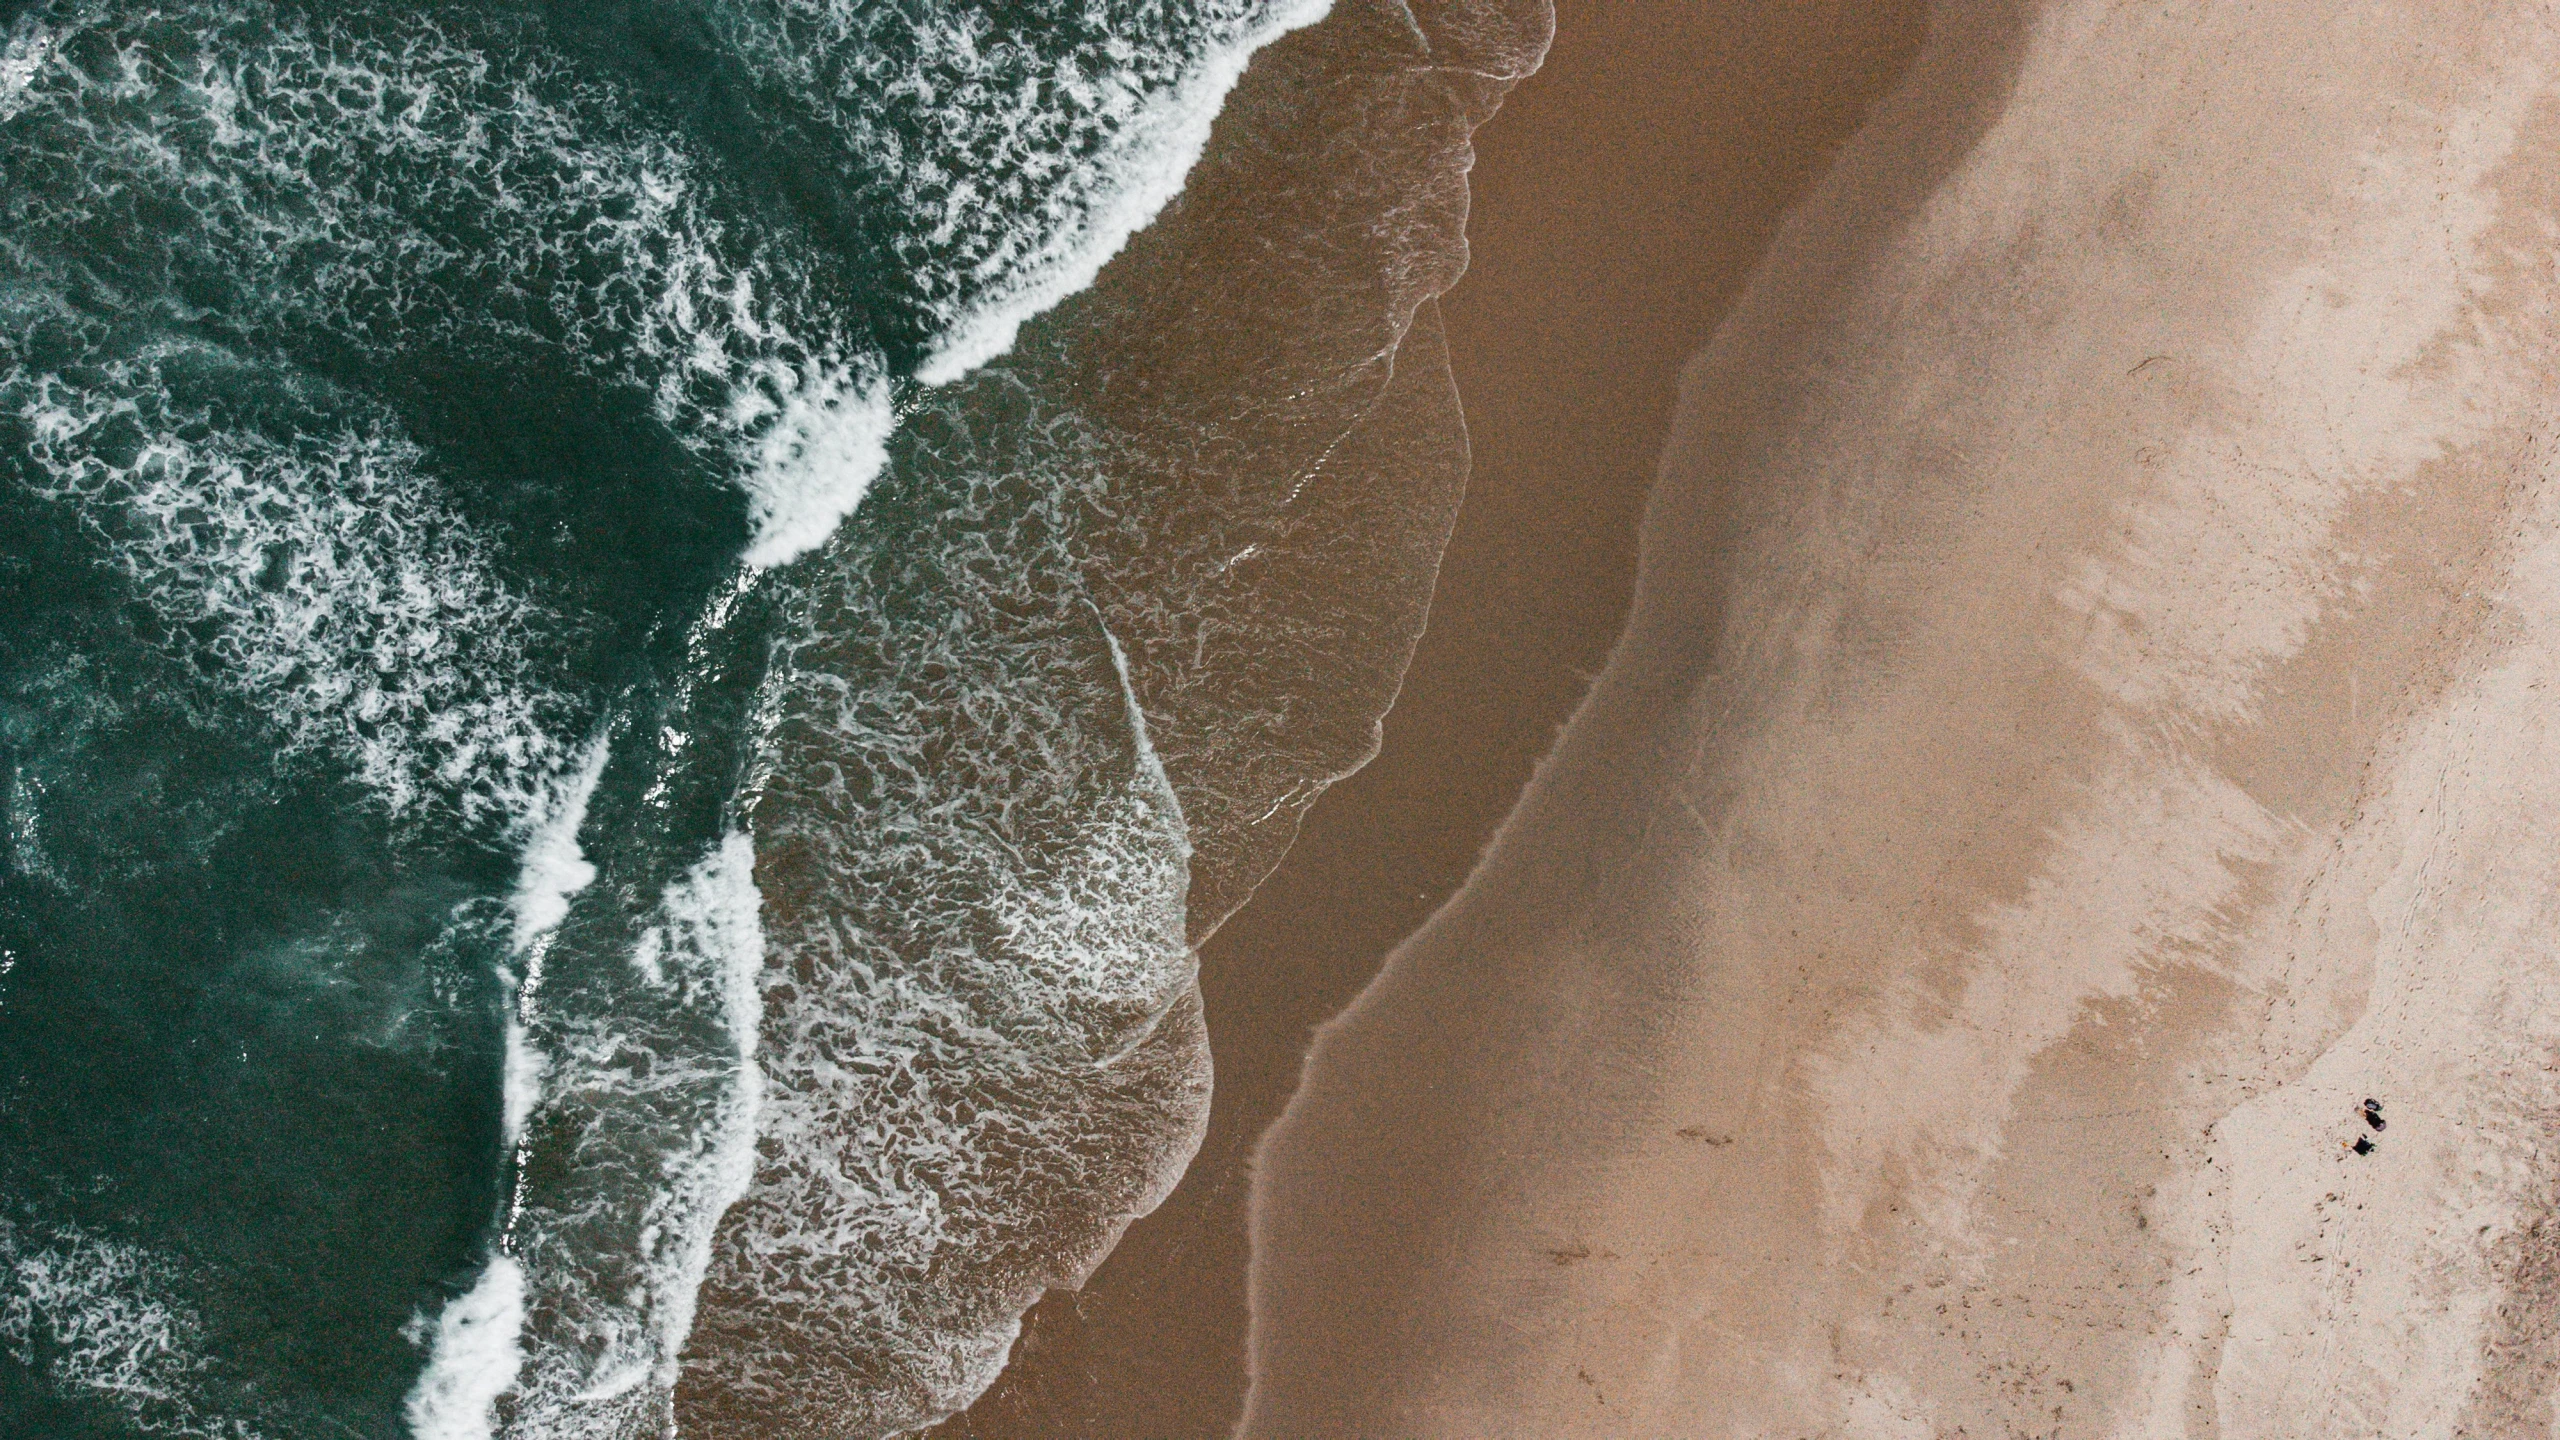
637	638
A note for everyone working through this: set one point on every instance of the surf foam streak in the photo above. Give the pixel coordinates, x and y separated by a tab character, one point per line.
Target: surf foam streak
555	867
1128	185
477	1351
475	1359
813	464
713	916
649	1155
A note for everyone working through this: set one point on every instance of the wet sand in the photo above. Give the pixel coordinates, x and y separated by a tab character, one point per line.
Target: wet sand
1650	160
2086	728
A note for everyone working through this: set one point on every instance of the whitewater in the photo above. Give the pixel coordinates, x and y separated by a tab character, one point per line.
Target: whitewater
625	706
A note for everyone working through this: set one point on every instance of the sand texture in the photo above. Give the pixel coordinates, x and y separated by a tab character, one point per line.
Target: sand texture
2090	721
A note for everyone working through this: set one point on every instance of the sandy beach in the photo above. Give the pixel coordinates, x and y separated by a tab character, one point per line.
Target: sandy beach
2084	732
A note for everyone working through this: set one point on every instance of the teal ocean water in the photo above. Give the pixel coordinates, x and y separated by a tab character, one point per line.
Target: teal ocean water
627	673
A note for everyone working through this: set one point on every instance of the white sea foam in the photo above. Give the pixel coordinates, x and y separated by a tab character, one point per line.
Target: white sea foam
101	1317
615	1249
1155	141
475	1360
520	1082
323	571
555	868
812	465
714	914
391	190
29	46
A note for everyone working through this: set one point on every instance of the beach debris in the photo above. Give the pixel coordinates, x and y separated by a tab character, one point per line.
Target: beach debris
2371	1113
1569	1255
1714	1138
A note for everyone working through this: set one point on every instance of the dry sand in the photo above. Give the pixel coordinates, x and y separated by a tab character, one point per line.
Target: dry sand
2088	724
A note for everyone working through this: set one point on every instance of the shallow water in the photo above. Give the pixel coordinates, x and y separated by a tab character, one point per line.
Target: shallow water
629	672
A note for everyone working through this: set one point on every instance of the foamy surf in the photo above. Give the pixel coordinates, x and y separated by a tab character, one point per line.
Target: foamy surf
555	867
1122	192
101	1318
715	916
613	1259
29	45
614	1248
813	464
475	1359
476	1349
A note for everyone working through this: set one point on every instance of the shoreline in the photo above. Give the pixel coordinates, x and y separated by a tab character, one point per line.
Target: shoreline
1532	593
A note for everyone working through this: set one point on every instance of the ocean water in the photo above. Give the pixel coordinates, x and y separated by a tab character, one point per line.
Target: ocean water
637	637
